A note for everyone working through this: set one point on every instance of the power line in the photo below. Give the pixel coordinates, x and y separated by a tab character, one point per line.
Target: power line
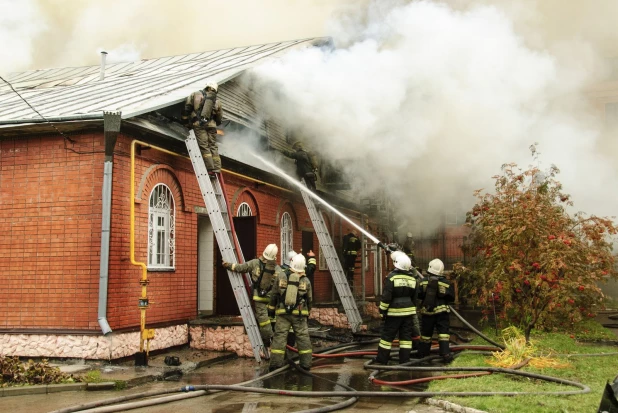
38	113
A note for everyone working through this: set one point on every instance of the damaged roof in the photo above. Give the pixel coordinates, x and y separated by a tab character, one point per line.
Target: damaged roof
133	88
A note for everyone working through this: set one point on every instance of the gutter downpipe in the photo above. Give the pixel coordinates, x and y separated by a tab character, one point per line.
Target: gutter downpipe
111	127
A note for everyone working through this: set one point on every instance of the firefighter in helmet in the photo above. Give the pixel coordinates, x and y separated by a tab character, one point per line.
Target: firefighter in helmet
203	113
286	267
398	310
262	271
291	301
306	164
435	294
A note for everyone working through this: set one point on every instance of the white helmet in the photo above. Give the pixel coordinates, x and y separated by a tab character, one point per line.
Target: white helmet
212	84
298	263
270	252
436	267
401	261
291	255
409	235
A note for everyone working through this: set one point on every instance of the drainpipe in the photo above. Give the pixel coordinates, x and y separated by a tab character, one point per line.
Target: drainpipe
111	127
363	255
103	58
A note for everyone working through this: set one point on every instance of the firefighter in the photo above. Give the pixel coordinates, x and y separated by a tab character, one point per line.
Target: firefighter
398	310
262	271
408	248
306	164
436	293
284	267
203	113
291	301
286	264
351	249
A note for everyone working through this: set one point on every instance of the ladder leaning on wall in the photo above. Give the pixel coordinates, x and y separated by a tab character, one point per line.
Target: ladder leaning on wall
213	192
334	265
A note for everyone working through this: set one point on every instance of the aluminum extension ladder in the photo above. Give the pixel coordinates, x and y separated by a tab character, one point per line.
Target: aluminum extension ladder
214	199
334	265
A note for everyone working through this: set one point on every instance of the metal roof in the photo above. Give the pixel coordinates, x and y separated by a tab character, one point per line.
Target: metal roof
133	88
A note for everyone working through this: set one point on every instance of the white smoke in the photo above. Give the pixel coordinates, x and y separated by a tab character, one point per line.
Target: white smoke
20	22
429	101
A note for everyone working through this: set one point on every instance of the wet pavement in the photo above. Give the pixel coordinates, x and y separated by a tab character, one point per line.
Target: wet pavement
346	371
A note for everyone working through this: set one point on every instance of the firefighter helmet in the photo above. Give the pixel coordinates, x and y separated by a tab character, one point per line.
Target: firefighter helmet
291	255
298	263
401	260
409	235
298	145
270	252
436	267
212	84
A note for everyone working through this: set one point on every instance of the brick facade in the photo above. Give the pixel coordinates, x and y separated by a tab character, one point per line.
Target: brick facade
51	215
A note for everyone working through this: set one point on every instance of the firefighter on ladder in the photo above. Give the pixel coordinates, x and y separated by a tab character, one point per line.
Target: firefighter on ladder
262	271
203	113
291	301
398	310
351	248
306	164
436	293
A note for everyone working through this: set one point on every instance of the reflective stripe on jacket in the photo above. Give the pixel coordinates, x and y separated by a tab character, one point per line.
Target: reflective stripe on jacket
399	294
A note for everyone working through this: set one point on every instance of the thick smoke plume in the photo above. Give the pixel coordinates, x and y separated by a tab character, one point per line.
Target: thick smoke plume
428	100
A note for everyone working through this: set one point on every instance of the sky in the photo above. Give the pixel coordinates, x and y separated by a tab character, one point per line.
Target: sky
423	99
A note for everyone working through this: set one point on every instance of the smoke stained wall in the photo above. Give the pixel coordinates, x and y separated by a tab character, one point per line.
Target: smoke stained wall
429	99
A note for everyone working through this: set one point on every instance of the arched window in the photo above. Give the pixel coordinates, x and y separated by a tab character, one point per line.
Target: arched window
244	210
161	229
286	236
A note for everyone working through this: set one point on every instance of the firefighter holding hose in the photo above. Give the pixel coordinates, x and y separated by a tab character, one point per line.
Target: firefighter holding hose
398	310
291	301
436	293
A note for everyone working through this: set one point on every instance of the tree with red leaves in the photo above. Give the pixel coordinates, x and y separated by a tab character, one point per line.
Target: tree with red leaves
539	263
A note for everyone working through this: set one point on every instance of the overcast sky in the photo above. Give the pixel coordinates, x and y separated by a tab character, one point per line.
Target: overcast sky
58	33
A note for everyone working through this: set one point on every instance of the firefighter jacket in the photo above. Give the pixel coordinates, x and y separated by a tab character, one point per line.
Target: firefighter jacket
351	245
202	104
305	163
399	294
262	274
301	305
435	302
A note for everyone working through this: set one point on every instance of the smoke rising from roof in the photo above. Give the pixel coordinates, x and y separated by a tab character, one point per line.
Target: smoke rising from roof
428	100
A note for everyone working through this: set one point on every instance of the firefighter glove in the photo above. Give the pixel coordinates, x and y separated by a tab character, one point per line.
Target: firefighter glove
227	265
203	121
271	312
383	314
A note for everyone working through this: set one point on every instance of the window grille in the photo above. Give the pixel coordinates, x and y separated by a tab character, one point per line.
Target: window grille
244	210
286	236
161	229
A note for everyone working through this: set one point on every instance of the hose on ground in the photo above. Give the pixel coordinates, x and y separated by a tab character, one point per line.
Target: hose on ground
481	335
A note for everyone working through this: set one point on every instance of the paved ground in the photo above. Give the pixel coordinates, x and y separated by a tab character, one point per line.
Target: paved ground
230	371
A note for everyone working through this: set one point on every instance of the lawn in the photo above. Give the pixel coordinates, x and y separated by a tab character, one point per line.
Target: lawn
593	371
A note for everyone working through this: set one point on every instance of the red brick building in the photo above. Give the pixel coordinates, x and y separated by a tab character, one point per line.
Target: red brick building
51	183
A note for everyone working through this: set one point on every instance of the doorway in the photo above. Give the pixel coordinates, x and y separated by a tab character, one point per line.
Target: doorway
246	231
205	273
307	245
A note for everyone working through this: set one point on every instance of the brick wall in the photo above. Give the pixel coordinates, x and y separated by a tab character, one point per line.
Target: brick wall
51	216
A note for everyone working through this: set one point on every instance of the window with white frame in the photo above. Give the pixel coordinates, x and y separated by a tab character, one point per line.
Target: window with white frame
286	236
244	210
161	229
322	265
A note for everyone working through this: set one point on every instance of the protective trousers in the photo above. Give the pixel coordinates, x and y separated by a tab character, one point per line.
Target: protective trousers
441	323
404	326
261	314
207	140
277	350
350	263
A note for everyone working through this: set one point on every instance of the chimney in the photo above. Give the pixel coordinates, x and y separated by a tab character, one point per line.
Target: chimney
103	57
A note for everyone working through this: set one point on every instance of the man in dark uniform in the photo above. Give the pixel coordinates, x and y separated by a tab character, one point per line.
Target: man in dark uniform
203	113
351	249
306	165
398	310
436	293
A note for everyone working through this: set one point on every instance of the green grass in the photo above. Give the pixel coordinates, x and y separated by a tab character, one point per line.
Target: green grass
592	371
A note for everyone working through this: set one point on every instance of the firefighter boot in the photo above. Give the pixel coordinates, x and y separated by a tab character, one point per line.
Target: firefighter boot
383	356
415	348
423	349
445	351
404	355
